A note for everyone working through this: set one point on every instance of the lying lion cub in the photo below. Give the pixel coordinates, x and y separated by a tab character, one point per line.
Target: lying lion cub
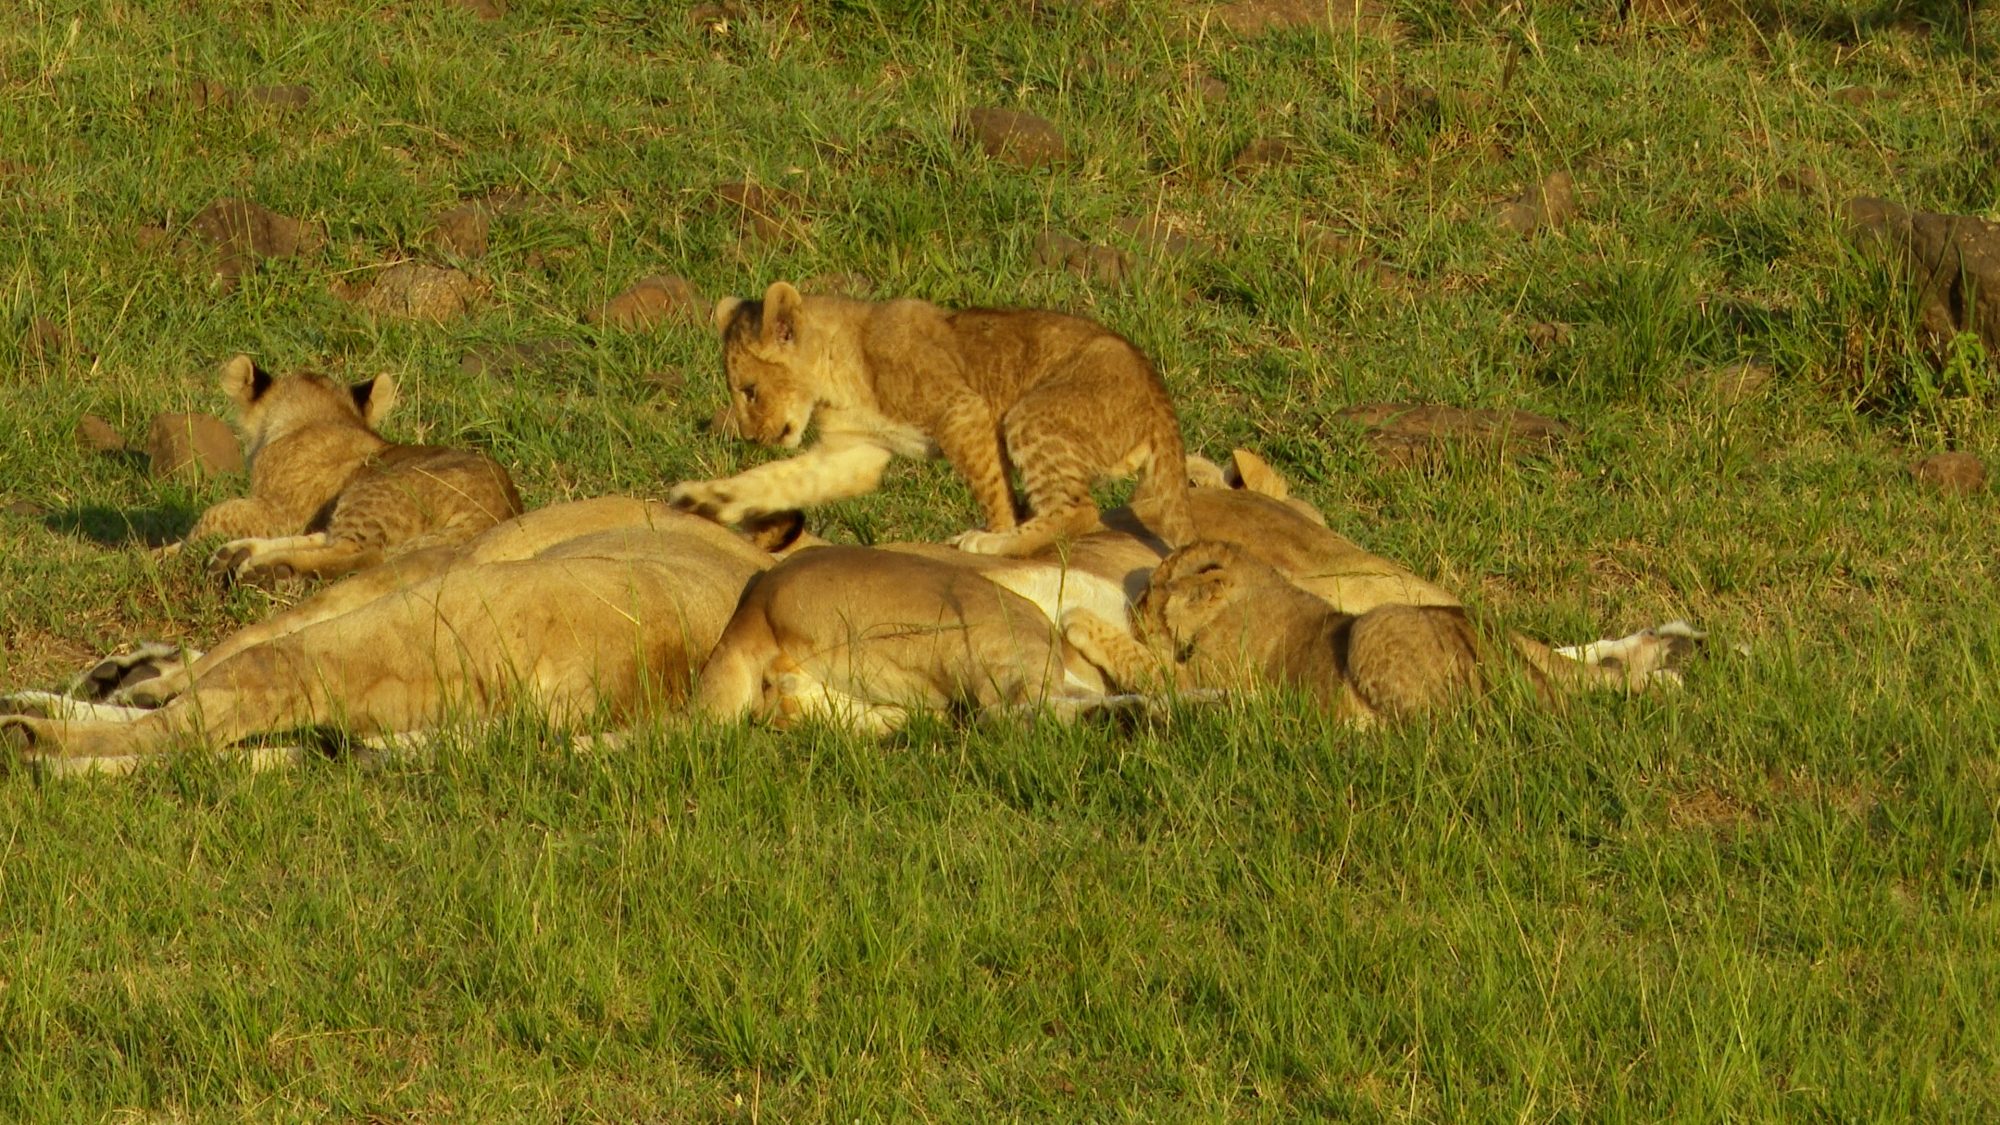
1213	616
330	496
600	606
1062	398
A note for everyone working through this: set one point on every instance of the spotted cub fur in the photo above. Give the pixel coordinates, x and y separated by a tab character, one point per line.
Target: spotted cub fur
329	495
1061	398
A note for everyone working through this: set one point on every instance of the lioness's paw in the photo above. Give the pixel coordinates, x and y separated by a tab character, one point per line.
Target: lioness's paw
114	676
18	741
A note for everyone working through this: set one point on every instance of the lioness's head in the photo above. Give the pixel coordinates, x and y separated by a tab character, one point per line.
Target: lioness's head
1247	472
271	406
771	393
1194	586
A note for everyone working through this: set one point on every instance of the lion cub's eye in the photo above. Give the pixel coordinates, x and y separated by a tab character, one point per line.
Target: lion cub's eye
750	392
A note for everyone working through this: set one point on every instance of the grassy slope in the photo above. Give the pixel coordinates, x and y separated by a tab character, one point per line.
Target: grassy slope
1769	896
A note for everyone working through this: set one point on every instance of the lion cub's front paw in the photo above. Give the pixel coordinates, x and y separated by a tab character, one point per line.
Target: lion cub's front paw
710	499
247	562
984	542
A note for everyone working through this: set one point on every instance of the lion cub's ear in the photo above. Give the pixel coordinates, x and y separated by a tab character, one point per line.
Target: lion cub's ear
243	381
1252	473
781	313
724	309
375	398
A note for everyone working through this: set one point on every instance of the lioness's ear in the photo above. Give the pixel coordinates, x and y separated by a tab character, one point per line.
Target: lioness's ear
776	532
243	381
724	309
1204	473
375	398
781	313
1251	472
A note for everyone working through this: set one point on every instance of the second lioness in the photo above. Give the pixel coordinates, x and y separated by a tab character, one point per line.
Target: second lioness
329	495
1063	399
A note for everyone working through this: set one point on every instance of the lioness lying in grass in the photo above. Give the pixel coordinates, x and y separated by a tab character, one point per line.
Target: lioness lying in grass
610	606
597	607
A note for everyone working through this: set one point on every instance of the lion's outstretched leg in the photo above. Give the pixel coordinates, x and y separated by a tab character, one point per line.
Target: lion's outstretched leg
1635	662
333	601
50	705
832	470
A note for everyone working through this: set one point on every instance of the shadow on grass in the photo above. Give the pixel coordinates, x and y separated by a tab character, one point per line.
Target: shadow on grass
117	527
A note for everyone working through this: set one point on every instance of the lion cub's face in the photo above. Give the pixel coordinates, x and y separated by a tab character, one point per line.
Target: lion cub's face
1194	587
772	393
269	407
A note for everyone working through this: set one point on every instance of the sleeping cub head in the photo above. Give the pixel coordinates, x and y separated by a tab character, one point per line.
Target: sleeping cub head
773	383
1195	586
268	407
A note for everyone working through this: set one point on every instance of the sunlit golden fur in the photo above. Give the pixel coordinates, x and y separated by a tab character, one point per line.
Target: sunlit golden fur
599	608
328	494
1062	399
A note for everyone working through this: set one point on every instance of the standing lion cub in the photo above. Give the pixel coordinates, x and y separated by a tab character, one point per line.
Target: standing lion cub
330	496
1064	399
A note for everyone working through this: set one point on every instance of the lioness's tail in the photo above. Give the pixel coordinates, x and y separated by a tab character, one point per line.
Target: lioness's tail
1163	486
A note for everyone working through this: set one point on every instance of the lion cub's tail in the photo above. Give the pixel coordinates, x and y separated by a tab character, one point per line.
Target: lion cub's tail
1163	487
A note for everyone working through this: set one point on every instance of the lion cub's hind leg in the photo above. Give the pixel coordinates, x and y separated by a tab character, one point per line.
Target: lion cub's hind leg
1056	472
1404	660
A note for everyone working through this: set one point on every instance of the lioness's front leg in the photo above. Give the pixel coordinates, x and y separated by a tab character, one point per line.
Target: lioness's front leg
828	471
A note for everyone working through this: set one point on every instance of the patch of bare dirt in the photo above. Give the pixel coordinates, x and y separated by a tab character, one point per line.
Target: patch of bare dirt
1105	265
1707	808
463	230
769	214
1960	473
1951	263
245	233
415	291
45	339
1404	434
649	304
1016	137
1263	152
192	445
1540	206
1397	102
96	435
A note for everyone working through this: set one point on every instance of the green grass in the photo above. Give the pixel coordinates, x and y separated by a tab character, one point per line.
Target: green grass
1769	896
